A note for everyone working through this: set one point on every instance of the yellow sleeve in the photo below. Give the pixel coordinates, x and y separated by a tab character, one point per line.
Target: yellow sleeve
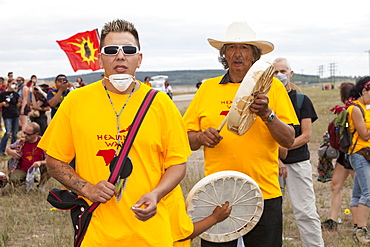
181	224
191	116
281	104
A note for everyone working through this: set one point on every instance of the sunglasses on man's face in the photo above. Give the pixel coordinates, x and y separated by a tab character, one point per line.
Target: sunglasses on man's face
28	134
62	79
112	50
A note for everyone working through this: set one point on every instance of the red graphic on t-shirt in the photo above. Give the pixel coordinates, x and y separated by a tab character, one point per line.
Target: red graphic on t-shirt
228	104
125	130
224	113
107	155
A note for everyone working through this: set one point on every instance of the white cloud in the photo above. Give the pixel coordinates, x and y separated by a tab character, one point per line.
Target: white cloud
174	34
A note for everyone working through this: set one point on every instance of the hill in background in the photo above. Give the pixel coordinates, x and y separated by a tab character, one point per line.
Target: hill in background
191	77
176	77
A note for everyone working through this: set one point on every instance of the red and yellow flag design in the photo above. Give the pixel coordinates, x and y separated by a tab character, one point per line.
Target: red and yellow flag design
82	50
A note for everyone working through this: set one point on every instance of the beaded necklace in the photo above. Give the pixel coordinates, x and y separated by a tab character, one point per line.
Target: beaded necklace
118	114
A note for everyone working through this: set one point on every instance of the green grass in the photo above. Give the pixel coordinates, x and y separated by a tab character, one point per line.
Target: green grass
26	219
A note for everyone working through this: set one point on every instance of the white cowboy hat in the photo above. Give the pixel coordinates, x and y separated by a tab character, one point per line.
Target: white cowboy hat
240	32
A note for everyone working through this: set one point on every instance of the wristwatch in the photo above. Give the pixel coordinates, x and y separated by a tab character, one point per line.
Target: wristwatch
270	117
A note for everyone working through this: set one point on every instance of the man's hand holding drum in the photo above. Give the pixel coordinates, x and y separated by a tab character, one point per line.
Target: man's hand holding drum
209	138
260	106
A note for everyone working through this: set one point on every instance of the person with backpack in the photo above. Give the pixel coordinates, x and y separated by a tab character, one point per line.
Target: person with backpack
295	169
359	125
342	169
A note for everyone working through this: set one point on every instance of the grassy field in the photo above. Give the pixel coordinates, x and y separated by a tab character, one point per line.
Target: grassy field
26	219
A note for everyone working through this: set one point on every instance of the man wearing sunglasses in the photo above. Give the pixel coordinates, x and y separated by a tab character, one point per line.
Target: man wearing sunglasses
57	95
91	126
26	154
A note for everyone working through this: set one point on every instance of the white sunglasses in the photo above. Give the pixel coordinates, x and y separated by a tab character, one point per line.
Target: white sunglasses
112	50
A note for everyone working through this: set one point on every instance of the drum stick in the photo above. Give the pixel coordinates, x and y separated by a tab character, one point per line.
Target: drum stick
223	123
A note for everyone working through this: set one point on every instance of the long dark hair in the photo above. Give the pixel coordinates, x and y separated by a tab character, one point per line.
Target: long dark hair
356	91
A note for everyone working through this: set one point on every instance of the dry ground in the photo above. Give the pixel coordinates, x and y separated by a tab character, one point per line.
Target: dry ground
26	219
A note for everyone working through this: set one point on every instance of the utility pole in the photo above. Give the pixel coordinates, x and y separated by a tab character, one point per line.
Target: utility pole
321	69
332	74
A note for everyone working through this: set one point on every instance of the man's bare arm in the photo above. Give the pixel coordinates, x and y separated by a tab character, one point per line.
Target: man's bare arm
64	173
56	99
280	131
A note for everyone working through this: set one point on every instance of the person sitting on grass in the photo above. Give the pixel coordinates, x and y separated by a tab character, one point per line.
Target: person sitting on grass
26	154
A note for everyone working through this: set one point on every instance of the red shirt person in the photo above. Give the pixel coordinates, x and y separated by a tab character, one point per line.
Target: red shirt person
26	152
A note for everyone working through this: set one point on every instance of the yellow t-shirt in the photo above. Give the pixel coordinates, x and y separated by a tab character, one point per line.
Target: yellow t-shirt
181	224
186	243
256	152
361	143
85	126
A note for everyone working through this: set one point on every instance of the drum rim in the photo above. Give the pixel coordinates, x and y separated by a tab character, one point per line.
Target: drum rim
237	232
241	123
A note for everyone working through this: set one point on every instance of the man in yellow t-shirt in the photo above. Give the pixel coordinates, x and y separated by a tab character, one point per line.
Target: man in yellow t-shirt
254	153
90	126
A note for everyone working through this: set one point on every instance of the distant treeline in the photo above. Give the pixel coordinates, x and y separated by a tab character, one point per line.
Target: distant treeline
191	77
309	79
177	77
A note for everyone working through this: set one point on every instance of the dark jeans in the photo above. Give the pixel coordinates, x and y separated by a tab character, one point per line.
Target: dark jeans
11	126
268	231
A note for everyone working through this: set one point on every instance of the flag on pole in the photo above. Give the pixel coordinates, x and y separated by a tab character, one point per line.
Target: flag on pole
82	50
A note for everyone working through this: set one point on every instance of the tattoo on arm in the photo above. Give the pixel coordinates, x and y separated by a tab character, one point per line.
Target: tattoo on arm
65	174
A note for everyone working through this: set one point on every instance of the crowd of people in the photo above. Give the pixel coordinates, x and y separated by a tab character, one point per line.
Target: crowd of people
22	103
24	109
151	210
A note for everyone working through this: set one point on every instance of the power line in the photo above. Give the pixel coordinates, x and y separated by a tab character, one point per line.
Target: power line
332	73
320	72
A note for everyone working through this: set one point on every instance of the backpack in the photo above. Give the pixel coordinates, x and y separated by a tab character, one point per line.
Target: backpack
340	137
300	98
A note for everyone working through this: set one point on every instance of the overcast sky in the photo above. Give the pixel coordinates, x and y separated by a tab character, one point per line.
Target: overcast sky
174	33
